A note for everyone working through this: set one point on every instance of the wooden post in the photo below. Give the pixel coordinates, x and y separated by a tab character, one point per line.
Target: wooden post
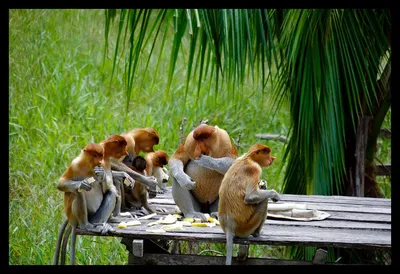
361	143
137	248
243	252
320	256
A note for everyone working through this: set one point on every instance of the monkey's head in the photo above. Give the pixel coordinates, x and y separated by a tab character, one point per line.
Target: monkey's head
209	140
139	163
261	154
160	158
145	139
115	146
95	152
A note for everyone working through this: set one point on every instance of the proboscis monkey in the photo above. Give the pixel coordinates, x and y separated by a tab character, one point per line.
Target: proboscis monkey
195	179
137	196
138	140
242	208
115	147
87	198
155	162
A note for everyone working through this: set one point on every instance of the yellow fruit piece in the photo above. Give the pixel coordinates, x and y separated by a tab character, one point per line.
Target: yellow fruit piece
177	216
199	224
122	225
191	220
172	227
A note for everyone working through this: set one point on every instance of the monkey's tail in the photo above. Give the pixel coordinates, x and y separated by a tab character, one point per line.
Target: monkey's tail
59	239
229	246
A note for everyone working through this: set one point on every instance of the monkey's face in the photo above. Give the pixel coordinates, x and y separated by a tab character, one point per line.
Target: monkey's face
261	154
95	152
208	140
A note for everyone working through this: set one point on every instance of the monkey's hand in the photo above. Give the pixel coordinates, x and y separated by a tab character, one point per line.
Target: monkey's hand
274	196
184	180
122	175
221	165
99	173
84	185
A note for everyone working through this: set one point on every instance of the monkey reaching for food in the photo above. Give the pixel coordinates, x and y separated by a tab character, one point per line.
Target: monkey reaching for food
138	140
242	208
196	180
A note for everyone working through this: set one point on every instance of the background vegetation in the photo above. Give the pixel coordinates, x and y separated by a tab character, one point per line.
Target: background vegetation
61	98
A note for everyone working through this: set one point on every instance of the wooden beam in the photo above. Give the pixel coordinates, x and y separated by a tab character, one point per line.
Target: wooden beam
243	252
189	259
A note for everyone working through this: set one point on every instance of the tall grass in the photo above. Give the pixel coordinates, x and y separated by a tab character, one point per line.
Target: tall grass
59	100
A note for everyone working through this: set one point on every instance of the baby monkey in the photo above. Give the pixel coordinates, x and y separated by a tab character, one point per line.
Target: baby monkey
243	204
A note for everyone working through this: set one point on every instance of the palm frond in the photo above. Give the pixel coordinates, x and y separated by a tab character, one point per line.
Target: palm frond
330	66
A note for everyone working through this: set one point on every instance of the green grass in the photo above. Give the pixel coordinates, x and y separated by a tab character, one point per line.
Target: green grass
61	98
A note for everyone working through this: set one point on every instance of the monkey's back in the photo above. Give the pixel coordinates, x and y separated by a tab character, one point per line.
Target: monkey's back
231	201
207	182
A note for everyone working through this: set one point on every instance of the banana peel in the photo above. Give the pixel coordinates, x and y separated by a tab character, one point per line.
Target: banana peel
129	223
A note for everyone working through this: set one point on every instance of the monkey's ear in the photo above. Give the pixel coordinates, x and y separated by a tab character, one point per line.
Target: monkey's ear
273	158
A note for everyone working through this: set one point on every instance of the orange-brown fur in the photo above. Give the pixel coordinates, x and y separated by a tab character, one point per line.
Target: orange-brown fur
243	175
114	146
80	168
154	159
141	140
214	142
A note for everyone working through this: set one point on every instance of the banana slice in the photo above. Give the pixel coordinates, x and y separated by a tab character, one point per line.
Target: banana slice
169	219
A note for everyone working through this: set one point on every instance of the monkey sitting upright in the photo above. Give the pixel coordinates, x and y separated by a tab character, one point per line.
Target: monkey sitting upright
242	208
89	197
195	179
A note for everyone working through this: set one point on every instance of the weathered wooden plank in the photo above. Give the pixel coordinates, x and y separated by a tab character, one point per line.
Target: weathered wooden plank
362	217
349	208
272	235
310	198
310	205
331	224
335	198
187	259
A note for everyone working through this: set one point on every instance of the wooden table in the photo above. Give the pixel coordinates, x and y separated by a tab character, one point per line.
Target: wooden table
355	222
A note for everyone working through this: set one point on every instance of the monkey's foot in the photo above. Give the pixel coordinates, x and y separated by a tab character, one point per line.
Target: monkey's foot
214	215
257	233
161	210
87	226
139	212
196	215
103	228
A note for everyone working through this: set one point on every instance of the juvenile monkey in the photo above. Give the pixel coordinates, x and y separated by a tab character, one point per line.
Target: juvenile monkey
152	164
242	208
196	180
155	162
137	196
